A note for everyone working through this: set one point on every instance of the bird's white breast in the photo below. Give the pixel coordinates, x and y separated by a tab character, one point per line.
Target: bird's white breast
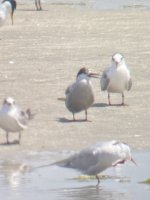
118	78
8	120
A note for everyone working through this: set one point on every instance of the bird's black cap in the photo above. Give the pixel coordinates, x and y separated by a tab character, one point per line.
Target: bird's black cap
83	71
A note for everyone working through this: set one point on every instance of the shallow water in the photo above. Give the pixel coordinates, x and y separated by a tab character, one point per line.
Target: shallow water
20	179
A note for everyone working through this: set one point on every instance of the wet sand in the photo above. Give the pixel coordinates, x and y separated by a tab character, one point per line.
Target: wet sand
41	54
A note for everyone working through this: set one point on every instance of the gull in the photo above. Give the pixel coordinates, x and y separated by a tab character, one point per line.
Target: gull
98	157
38	4
116	78
79	95
7	7
12	118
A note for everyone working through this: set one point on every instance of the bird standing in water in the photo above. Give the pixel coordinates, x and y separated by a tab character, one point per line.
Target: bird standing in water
79	95
116	78
7	7
98	157
12	118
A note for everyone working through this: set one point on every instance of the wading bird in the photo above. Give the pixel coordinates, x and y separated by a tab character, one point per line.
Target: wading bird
116	78
12	118
98	157
38	4
7	7
79	95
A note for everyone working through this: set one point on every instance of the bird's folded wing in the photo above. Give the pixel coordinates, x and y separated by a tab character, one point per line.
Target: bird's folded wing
129	85
21	119
104	81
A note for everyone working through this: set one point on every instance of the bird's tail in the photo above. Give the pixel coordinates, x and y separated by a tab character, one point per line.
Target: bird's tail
62	163
30	114
61	98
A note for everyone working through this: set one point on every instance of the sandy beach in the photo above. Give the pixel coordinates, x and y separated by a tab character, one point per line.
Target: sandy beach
40	56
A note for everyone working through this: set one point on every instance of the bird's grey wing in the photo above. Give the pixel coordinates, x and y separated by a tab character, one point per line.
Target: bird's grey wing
68	90
104	81
79	161
66	162
129	84
21	118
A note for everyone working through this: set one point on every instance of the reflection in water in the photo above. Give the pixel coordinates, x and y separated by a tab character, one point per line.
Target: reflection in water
92	192
24	181
11	174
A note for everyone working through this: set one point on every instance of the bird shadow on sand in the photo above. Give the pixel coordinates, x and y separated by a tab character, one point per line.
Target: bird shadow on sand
65	120
119	105
107	105
21	9
100	105
15	142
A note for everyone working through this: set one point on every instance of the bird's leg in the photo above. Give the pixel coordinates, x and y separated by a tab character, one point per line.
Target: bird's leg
98	180
40	7
36	4
7	141
123	99
109	99
73	117
85	115
19	138
11	15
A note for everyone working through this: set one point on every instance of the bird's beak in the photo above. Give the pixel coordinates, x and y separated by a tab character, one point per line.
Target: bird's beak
94	75
12	17
132	160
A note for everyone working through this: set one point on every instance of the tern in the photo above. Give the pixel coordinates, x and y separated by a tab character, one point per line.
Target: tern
38	4
7	7
98	157
79	95
12	118
116	78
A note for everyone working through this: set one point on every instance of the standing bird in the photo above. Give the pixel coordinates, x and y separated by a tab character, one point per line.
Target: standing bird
116	78
79	95
12	118
38	4
98	157
7	7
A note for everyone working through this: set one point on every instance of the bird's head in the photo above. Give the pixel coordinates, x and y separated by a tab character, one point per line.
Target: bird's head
13	7
84	72
127	151
118	59
9	101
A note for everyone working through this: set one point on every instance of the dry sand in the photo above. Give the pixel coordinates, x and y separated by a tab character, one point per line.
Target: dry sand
41	54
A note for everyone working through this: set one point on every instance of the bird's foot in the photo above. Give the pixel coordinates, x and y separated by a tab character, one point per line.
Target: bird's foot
124	104
8	142
87	120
